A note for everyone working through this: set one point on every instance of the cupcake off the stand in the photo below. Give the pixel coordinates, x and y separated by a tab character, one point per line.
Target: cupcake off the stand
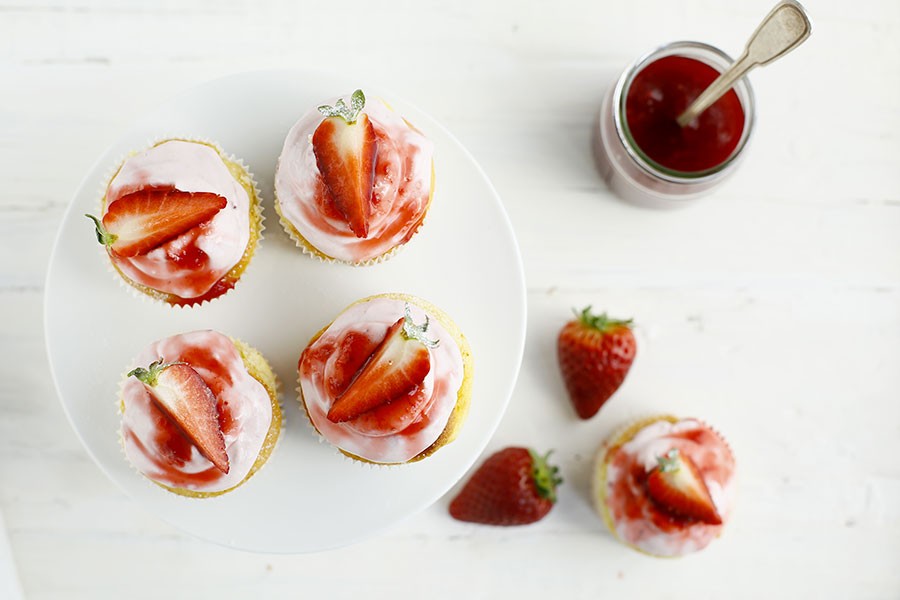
665	486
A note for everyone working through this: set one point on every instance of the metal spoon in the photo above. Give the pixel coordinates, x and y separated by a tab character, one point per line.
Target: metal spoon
783	29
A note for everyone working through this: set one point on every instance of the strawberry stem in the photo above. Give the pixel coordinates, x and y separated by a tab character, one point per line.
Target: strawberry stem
417	332
670	461
600	322
151	373
546	476
340	108
103	236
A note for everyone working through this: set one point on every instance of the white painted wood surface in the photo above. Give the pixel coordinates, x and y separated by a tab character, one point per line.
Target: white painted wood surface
772	309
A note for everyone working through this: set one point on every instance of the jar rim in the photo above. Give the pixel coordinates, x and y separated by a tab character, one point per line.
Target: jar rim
719	60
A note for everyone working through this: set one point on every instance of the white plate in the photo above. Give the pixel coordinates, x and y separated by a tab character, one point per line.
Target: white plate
308	497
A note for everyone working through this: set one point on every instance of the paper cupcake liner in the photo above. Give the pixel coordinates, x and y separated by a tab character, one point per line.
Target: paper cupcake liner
257	217
266	452
460	410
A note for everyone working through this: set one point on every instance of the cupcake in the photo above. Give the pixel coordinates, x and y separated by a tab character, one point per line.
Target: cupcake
353	182
200	413
665	486
388	381
180	221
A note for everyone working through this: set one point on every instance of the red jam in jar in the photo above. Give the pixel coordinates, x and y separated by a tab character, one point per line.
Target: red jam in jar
663	90
642	153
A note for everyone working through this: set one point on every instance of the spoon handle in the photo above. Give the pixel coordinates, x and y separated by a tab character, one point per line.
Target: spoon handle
784	28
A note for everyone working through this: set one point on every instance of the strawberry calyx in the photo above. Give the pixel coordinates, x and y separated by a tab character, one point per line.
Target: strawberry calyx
601	322
103	236
341	109
411	331
150	375
546	476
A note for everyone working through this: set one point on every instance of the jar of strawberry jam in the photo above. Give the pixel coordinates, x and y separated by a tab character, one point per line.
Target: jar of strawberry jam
642	152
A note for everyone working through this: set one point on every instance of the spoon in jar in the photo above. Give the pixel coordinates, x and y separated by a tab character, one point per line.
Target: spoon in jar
783	29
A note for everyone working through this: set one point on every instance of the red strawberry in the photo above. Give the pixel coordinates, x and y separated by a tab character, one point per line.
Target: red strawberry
395	370
182	395
514	486
676	485
346	148
143	220
595	354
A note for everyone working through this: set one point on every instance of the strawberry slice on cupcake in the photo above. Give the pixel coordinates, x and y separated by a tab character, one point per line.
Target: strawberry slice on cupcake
181	394
677	486
392	374
346	149
143	220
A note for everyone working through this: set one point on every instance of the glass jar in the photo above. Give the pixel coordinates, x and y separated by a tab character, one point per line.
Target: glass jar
628	171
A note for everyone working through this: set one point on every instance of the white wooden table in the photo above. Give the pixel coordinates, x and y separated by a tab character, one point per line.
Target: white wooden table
772	309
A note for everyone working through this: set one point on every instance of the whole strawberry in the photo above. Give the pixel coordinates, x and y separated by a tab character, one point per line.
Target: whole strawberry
595	354
514	486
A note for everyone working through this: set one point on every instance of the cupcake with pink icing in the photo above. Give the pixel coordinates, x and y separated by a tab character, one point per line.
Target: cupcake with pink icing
200	413
665	486
388	381
180	221
354	181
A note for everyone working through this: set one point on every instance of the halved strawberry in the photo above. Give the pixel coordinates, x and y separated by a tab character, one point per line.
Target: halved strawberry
346	148
396	369
182	395
676	485
143	220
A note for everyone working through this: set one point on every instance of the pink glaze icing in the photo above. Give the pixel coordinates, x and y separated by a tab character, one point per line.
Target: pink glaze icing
364	326
399	199
636	518
189	265
161	452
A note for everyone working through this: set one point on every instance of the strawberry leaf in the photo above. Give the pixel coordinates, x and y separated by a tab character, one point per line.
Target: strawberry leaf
600	322
103	236
417	332
340	108
151	373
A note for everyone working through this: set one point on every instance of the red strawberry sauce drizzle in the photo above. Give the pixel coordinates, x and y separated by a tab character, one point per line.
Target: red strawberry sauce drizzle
638	518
